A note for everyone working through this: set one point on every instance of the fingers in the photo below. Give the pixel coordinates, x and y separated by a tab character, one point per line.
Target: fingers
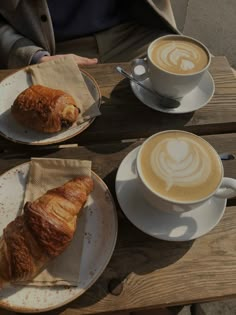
44	59
81	61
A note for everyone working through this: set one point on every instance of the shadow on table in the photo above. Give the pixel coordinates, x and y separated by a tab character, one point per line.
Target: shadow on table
138	253
135	253
123	100
141	255
126	117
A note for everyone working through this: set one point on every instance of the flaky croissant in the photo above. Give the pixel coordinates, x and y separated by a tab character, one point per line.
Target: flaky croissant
42	232
45	109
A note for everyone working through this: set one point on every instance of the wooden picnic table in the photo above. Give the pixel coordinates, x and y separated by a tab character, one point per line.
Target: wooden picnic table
145	272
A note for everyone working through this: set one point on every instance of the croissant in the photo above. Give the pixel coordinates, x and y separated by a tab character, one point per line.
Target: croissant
45	109
42	232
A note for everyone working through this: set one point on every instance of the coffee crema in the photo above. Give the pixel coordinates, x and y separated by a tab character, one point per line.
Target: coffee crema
180	166
179	55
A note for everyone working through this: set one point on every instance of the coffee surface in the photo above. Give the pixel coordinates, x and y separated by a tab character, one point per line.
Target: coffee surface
180	56
180	166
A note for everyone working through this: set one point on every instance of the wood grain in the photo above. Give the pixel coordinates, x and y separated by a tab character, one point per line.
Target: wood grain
146	273
125	117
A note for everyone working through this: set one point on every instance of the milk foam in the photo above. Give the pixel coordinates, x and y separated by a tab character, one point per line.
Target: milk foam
180	166
179	56
181	162
183	55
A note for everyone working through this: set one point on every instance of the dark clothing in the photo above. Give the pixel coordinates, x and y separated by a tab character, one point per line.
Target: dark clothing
77	18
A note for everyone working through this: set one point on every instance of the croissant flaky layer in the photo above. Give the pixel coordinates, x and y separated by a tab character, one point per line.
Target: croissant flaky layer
43	231
45	109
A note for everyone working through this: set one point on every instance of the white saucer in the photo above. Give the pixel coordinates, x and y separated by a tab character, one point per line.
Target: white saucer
192	101
157	223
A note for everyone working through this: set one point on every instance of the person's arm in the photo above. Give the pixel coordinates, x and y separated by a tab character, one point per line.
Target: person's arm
37	57
15	50
43	56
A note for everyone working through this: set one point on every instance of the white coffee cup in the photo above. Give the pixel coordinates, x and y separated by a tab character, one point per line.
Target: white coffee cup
179	171
175	65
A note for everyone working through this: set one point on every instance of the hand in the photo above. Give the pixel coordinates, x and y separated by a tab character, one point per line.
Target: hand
81	61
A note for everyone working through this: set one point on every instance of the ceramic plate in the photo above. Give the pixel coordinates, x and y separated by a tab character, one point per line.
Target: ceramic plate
14	84
99	243
192	101
157	222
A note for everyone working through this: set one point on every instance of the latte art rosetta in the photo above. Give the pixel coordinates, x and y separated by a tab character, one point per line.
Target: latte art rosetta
179	166
179	56
172	55
180	162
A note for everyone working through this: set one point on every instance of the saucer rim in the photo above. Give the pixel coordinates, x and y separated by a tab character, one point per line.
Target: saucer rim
157	236
175	110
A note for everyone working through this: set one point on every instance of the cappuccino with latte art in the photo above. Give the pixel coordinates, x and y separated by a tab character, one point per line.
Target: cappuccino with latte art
178	55
180	166
176	64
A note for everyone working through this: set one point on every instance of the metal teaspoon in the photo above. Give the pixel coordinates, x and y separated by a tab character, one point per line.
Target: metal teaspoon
164	101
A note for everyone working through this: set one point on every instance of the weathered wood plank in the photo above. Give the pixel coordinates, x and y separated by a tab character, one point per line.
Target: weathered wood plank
146	272
125	117
150	273
106	157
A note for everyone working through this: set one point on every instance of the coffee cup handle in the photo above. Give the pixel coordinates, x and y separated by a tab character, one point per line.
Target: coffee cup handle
139	69
227	188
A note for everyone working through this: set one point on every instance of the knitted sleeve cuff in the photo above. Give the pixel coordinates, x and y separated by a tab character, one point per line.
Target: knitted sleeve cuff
39	54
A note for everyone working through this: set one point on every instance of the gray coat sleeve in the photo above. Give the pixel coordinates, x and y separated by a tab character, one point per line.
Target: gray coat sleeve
15	50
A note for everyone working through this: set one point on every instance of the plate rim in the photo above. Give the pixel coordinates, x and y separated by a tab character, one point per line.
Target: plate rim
90	284
159	109
86	123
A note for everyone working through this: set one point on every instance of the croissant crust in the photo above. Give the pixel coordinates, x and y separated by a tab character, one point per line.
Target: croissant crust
45	109
43	231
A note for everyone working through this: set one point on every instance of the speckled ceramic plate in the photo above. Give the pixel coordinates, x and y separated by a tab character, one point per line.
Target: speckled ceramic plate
99	243
13	85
